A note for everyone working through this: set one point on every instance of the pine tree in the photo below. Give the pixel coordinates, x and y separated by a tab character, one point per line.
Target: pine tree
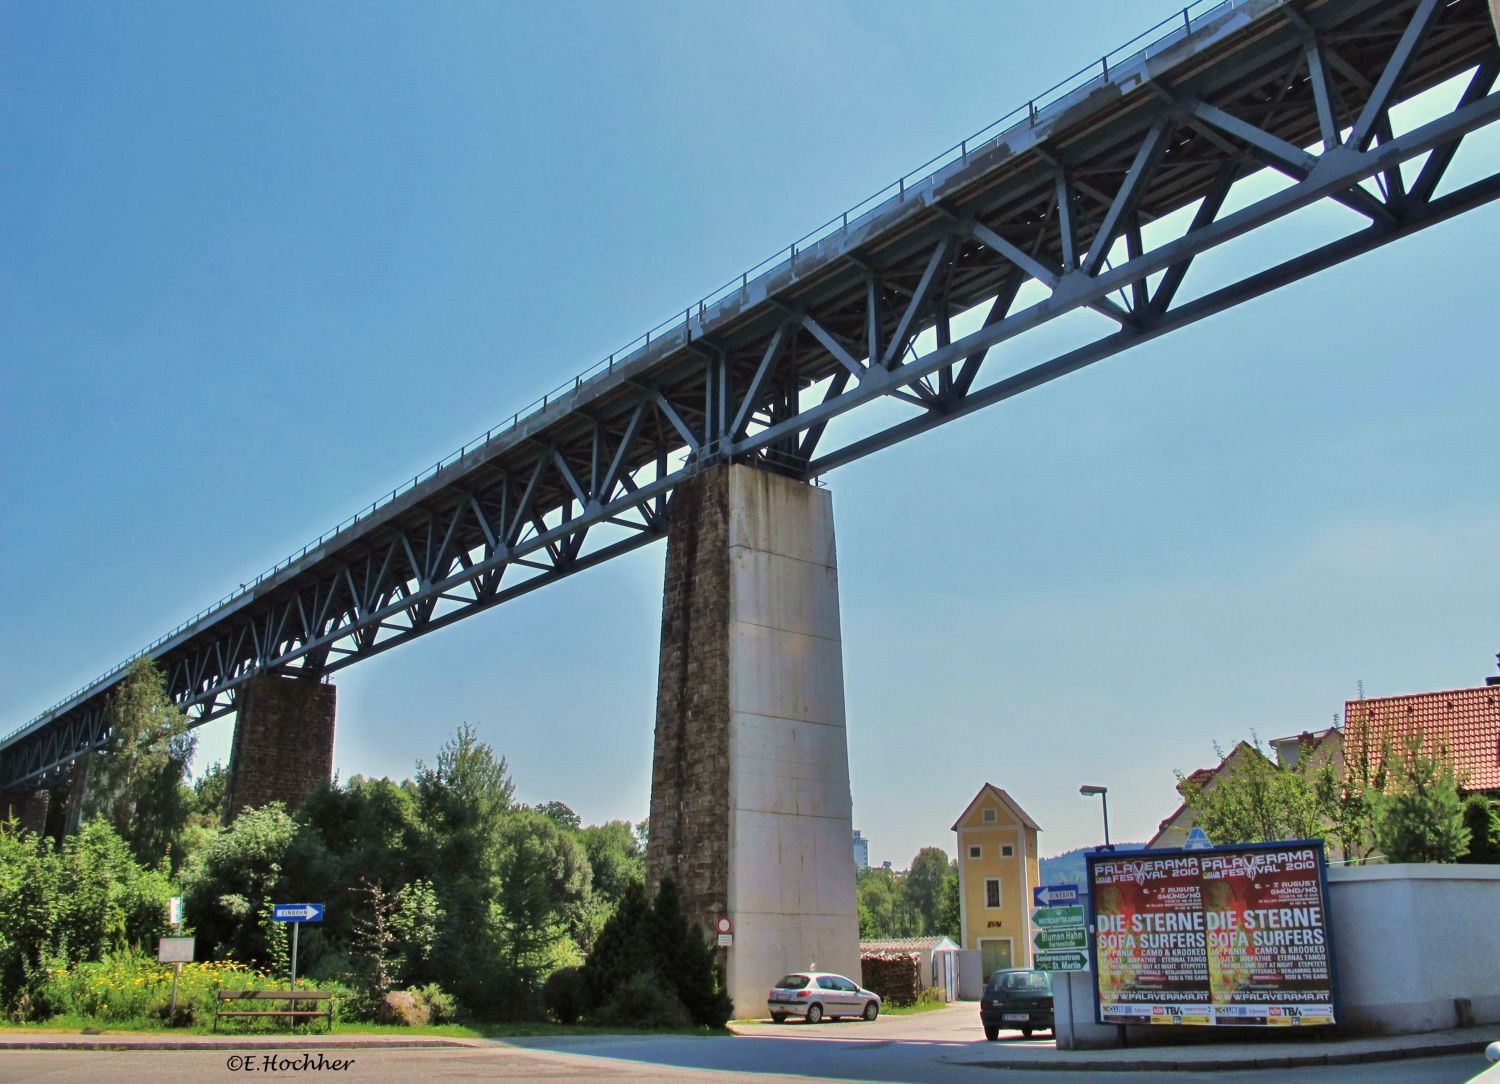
1421	817
1482	819
624	947
687	960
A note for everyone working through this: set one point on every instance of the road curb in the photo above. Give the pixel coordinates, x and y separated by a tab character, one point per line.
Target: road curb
248	1042
1168	1064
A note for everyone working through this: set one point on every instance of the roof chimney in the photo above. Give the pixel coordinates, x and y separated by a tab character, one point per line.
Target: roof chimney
1494	679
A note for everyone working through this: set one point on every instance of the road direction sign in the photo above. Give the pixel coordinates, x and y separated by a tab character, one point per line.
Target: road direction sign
1052	895
1073	937
1050	918
1060	961
297	912
1197	840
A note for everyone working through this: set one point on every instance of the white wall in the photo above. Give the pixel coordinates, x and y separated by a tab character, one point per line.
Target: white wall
1408	939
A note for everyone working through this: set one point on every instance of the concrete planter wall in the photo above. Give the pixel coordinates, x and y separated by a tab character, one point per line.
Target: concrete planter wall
1417	948
1410	939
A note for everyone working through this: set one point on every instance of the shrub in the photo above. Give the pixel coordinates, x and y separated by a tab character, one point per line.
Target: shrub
403	1007
643	1001
442	1008
79	902
930	995
565	995
131	987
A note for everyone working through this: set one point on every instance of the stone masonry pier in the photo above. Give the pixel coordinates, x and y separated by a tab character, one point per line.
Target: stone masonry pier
283	741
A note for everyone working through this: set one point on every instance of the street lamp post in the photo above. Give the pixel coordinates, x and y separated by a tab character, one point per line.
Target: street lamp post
1103	792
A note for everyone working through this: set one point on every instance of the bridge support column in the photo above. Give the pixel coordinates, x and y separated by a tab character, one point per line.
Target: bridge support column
29	809
750	807
283	742
78	781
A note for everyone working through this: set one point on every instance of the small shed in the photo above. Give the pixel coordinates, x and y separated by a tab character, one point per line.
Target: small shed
935	959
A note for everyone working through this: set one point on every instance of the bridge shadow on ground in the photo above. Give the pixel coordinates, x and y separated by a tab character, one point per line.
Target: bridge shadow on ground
844	1050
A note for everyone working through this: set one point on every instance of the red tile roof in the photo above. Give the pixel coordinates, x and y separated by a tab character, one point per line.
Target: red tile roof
1466	721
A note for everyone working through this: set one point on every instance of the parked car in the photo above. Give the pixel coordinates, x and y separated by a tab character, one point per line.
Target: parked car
816	995
1016	998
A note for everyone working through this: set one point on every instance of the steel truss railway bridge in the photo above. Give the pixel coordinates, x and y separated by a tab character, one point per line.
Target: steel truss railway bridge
1099	196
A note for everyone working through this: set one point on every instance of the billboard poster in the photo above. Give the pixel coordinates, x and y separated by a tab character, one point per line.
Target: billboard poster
1149	939
1228	935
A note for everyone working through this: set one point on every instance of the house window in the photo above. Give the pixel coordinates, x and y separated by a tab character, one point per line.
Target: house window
992	892
989	816
1007	851
974	851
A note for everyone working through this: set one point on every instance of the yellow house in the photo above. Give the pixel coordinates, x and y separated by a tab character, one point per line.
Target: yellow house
997	869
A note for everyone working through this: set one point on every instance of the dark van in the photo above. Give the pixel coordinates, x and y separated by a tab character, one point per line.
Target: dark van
1016	999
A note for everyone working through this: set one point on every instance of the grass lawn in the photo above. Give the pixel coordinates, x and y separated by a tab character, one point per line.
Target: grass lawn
909	1010
71	1025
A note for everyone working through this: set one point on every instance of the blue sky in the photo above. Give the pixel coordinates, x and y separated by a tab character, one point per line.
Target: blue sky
259	264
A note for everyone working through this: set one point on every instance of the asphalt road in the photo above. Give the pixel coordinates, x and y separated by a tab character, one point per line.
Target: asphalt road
937	1047
661	1059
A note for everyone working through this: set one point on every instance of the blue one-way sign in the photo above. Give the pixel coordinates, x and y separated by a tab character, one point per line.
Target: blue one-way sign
1053	895
297	912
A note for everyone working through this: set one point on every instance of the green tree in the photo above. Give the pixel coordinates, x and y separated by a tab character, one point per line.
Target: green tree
876	892
374	940
561	815
543	878
228	883
1253	800
418	917
615	862
28	911
1348	796
368	828
462	804
906	920
1482	819
469	787
209	791
950	922
105	901
1421	816
923	886
615	858
135	783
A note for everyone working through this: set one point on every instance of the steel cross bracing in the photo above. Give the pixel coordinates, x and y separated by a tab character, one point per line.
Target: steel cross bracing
1071	206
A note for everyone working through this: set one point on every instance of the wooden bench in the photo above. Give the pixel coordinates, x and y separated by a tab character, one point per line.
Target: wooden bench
229	997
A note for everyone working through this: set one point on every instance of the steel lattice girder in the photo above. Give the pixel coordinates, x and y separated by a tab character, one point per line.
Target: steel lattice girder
759	379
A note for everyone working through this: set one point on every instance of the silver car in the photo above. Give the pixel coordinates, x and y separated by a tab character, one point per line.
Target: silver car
815	995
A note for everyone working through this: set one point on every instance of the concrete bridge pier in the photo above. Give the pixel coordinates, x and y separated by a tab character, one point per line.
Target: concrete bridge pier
750	806
283	741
